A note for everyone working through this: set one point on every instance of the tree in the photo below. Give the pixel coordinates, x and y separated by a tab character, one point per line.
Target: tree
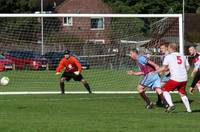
19	6
191	6
154	6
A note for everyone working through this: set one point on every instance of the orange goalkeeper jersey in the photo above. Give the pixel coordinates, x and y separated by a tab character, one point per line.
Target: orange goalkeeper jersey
70	65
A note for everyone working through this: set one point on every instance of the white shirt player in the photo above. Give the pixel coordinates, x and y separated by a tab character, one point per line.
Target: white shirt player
166	53
177	65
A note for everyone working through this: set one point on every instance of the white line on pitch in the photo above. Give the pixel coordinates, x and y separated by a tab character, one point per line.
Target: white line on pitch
71	92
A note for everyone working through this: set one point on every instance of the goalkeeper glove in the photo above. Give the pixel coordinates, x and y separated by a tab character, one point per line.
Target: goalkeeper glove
58	73
76	72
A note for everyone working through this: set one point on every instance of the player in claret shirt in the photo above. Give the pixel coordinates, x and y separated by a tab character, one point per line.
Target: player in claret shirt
196	71
73	70
150	80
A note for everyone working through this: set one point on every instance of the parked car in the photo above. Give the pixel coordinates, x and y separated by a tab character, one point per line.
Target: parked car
29	60
85	64
5	64
53	59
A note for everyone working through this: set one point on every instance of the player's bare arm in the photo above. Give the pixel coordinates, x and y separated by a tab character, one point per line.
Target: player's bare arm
139	73
153	64
194	72
162	69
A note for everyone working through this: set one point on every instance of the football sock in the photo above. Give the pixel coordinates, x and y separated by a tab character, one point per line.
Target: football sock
144	96
198	88
159	99
87	87
186	103
168	98
163	100
62	87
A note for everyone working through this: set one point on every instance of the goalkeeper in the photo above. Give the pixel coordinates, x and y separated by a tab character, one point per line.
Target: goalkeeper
73	70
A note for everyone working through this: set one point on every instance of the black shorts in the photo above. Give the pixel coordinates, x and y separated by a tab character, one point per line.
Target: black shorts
69	75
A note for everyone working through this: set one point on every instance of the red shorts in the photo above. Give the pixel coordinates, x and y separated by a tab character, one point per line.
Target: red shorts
172	85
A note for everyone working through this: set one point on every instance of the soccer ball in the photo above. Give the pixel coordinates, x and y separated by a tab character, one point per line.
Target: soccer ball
4	81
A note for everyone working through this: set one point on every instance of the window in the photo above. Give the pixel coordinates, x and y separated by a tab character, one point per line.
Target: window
97	23
67	21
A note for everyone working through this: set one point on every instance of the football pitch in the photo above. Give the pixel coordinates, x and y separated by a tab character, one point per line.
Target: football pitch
88	113
93	113
99	80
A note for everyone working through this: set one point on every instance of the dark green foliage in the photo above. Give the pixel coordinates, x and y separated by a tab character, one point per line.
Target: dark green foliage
119	6
154	6
19	6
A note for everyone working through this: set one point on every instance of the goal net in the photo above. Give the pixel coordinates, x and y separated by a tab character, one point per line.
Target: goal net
31	46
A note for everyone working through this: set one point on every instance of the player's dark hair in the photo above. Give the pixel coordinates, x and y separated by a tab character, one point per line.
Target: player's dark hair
192	47
134	50
66	52
166	44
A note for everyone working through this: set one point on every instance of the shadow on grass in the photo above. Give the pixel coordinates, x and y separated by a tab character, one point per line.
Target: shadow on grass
180	101
195	111
21	107
197	101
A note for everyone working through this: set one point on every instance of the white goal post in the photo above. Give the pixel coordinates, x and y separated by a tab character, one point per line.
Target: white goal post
105	49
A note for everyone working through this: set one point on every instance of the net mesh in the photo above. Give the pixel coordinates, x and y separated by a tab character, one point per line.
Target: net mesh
101	44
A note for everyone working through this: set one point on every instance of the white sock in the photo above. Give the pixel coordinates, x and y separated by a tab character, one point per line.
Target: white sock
198	88
168	98
186	103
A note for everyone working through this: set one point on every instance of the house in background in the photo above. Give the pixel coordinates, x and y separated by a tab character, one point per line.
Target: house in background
91	30
192	28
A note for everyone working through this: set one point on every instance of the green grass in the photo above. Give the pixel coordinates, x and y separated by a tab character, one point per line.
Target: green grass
93	113
99	79
88	113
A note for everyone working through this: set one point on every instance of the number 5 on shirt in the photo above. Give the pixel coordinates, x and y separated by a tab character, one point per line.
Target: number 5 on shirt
179	60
